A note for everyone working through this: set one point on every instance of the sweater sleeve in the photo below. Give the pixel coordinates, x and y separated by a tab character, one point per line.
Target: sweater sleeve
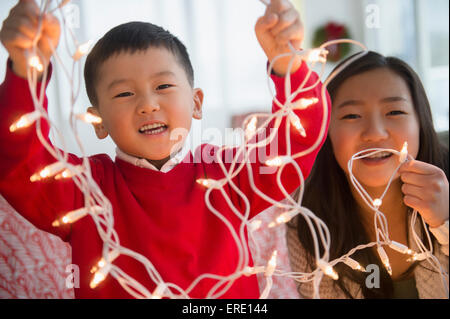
264	177
441	234
22	155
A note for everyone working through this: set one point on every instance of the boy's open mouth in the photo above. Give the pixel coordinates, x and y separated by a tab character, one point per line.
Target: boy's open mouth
153	129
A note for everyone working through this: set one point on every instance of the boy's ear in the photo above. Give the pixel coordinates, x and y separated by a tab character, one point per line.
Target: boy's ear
198	103
100	130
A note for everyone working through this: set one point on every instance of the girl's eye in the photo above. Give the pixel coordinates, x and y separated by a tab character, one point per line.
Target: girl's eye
350	117
396	112
164	86
124	94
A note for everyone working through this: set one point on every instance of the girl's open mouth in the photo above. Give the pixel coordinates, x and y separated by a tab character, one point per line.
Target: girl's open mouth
377	159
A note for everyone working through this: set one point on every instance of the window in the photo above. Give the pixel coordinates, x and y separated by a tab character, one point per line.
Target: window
417	32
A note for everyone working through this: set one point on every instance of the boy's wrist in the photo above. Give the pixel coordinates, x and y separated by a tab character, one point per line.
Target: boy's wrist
281	68
294	73
18	70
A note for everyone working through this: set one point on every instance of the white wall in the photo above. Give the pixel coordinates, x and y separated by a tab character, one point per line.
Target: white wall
316	13
5	6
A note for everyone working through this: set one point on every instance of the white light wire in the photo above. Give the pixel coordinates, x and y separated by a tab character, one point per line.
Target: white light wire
104	220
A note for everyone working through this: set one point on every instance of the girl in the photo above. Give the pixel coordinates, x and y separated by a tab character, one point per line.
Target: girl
378	102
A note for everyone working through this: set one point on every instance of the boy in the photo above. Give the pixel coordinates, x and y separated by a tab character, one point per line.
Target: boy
140	82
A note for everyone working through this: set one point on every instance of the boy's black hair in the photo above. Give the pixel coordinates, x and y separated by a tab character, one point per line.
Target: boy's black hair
131	37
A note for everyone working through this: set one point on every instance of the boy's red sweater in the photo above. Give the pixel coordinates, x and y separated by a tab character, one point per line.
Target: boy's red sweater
162	216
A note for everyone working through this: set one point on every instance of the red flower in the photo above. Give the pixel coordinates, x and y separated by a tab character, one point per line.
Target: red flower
334	30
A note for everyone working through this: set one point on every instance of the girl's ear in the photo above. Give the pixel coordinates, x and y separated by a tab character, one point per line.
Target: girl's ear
198	103
100	130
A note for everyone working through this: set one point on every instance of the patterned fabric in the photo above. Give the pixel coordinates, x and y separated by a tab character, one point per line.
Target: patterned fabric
32	262
262	244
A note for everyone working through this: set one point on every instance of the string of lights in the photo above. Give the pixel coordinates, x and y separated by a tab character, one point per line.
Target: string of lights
99	208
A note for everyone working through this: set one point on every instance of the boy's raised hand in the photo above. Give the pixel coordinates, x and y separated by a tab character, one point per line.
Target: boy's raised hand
20	29
280	25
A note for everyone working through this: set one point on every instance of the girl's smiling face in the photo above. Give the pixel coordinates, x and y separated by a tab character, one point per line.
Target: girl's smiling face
373	109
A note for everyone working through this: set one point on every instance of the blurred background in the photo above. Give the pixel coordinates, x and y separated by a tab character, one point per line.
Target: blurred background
231	67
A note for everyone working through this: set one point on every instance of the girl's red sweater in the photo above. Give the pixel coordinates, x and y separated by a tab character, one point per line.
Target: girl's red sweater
162	216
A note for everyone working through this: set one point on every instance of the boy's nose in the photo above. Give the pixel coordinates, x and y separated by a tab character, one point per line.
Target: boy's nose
375	130
147	105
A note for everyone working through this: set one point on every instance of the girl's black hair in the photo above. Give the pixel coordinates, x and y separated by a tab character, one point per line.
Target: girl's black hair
339	209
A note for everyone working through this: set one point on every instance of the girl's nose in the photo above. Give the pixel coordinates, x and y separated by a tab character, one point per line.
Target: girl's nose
375	130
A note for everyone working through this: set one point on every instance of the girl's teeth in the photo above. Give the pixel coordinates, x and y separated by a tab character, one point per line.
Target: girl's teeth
380	155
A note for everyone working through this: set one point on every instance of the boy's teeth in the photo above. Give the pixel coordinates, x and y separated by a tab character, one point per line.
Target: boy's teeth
152	127
157	131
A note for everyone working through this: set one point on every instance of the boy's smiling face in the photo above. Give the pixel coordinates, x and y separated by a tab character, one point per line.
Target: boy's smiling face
146	103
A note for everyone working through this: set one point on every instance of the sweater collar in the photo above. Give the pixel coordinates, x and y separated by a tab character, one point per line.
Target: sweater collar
142	162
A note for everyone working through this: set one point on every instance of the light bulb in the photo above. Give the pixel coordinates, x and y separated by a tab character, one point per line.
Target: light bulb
67	173
209	183
271	265
354	264
248	271
400	248
278	161
48	171
159	291
384	259
284	218
99	276
25	121
327	269
404	153
254	225
35	62
419	257
112	255
317	55
82	50
75	215
377	203
251	127
295	120
302	104
89	118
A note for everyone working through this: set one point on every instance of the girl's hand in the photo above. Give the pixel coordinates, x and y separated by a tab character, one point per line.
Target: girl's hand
426	190
280	25
19	31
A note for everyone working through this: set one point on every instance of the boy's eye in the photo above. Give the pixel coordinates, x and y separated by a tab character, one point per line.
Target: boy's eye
124	94
350	117
164	86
